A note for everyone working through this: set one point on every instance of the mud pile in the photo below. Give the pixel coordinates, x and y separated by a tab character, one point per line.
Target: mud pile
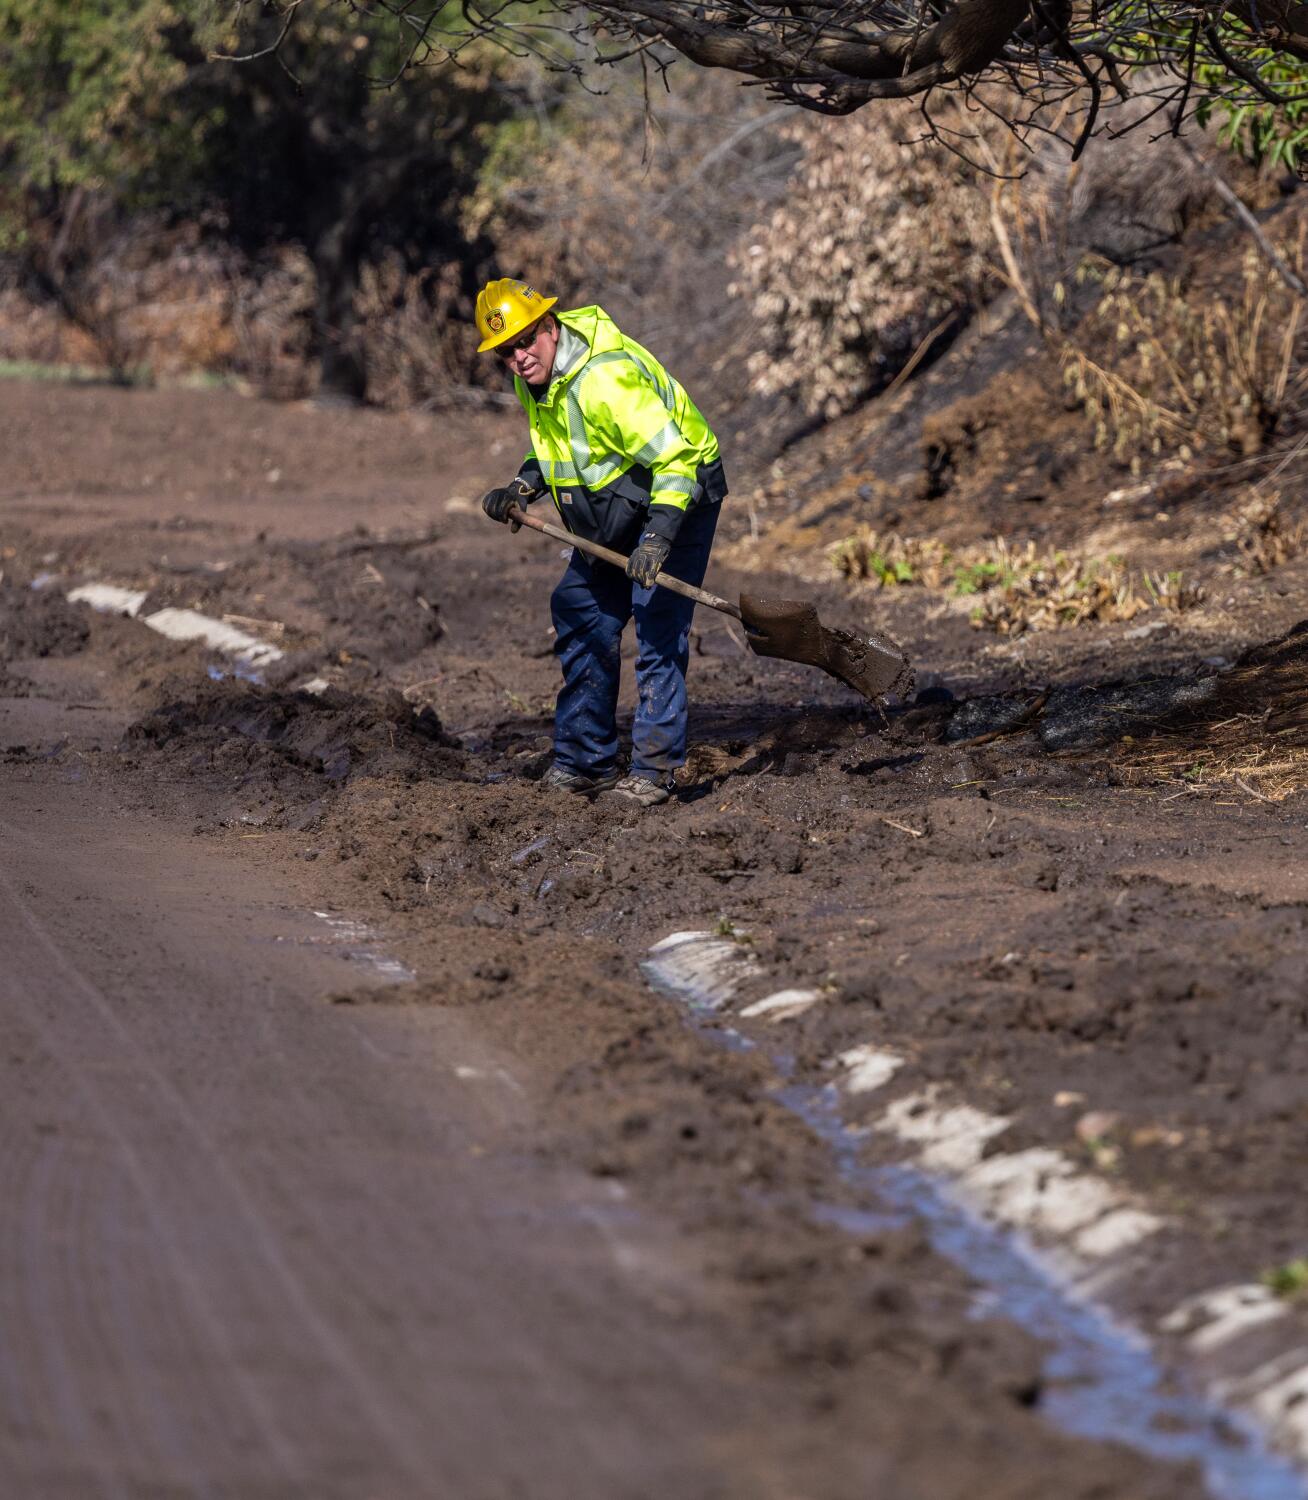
360	601
282	751
39	622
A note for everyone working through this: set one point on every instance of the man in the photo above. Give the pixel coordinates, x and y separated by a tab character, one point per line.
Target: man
629	461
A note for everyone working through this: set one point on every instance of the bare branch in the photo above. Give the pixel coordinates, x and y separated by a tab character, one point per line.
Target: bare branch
1227	193
270	51
833	57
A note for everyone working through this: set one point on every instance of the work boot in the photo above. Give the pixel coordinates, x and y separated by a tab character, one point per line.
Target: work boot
644	789
559	779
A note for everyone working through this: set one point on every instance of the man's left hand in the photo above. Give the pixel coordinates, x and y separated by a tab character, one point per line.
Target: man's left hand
650	555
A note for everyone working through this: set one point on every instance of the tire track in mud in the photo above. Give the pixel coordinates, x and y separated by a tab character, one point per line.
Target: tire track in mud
44	980
216	1185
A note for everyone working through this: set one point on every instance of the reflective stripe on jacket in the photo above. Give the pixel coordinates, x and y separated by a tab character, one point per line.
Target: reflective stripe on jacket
614	435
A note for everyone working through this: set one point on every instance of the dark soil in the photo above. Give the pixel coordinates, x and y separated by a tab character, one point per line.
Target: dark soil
997	881
44	625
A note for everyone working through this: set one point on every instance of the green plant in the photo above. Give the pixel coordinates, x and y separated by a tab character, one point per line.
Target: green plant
1289	1280
1254	91
976	577
890	560
1055	591
726	928
1170	591
110	108
1264	132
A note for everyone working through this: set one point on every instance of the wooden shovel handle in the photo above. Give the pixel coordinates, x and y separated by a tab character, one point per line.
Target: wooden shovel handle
664	580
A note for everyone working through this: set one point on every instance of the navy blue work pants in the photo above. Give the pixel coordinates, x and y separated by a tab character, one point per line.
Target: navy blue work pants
591	607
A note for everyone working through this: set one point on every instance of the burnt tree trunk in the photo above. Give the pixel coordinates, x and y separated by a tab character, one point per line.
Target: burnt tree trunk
337	254
343	226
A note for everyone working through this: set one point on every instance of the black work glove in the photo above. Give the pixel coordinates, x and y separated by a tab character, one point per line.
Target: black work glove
498	503
650	555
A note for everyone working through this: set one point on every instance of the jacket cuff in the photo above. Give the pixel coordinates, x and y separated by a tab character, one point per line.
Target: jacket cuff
531	475
664	521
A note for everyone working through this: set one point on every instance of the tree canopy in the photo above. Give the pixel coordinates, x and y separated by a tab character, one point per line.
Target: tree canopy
1063	62
287	133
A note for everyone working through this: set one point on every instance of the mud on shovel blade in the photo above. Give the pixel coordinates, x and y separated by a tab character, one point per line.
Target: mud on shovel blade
872	665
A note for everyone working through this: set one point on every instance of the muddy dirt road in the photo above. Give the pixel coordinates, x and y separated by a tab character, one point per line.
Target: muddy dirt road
477	1186
254	1245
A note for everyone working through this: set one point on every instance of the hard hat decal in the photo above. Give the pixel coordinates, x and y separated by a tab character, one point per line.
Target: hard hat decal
495	322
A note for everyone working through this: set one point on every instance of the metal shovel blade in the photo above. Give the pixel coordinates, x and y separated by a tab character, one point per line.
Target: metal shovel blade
872	665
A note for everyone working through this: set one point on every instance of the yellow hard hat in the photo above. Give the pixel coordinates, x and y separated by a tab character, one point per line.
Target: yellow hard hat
504	308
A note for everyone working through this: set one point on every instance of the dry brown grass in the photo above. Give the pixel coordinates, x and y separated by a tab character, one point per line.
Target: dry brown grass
1251	740
1235	756
1171	591
1057	592
1161	365
889	560
1018	588
881	239
1264	535
415	343
169	304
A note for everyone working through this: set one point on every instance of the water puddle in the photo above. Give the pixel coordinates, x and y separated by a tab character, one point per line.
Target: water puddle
1101	1380
238	670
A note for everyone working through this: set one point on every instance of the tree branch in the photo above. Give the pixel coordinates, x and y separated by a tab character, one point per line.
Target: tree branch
1246	71
269	51
1227	193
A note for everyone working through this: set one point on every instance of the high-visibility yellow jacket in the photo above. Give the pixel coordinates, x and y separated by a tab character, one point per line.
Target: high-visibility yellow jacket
615	439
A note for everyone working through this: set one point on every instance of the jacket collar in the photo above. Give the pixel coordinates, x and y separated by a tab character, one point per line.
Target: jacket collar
571	353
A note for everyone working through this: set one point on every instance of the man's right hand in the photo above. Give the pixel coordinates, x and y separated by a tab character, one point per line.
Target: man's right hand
498	503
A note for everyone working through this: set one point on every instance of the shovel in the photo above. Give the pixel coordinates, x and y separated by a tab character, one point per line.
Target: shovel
872	665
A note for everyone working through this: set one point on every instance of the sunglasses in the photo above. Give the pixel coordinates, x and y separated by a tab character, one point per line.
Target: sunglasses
523	342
